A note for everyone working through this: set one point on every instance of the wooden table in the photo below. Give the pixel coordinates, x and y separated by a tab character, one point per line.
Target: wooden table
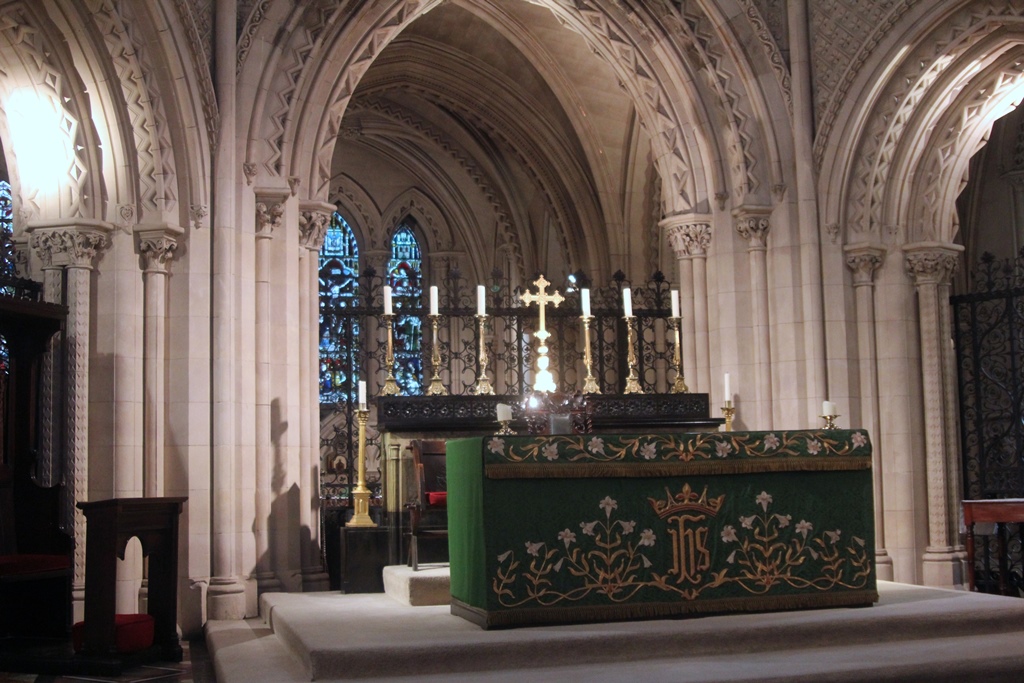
999	512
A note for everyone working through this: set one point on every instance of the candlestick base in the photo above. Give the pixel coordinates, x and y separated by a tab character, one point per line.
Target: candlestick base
728	411
830	421
505	429
679	386
590	385
391	387
633	384
436	387
361	518
483	387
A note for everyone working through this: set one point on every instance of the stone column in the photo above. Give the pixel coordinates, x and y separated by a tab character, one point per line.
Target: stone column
156	246
864	260
753	224
226	594
314	219
75	246
51	460
690	238
269	217
932	266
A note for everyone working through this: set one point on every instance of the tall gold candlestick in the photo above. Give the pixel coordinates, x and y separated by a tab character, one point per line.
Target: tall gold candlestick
633	379
436	387
590	385
391	387
679	386
728	412
361	494
483	385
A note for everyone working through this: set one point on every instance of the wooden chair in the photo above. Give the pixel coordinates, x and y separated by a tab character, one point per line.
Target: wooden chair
428	510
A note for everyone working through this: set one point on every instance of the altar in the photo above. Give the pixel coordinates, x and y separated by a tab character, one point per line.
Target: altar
598	527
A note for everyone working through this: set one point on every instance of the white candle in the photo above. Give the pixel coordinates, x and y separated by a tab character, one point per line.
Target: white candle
585	301
480	299
433	299
675	303
828	408
627	302
728	393
504	412
362	395
387	300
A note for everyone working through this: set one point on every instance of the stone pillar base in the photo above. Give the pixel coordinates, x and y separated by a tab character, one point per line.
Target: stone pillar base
315	579
225	599
943	568
883	566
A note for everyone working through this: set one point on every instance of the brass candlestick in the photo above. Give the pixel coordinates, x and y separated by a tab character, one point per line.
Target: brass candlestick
391	387
436	388
505	429
830	421
633	379
679	386
361	494
728	411
483	385
590	383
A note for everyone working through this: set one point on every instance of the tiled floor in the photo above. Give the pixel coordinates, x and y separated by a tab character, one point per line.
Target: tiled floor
195	667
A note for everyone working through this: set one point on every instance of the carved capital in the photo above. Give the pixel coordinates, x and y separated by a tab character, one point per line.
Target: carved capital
313	226
932	263
269	216
688	235
72	245
157	245
864	259
753	225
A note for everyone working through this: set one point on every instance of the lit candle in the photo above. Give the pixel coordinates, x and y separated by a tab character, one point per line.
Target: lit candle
433	299
362	395
627	302
828	408
585	301
387	300
480	299
675	303
504	412
728	393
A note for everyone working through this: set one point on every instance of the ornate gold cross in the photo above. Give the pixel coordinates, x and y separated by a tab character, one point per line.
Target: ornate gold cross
544	380
541	298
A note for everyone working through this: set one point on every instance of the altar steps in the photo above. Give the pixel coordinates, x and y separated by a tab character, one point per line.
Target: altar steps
912	634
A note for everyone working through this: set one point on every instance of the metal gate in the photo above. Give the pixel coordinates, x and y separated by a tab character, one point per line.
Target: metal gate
989	336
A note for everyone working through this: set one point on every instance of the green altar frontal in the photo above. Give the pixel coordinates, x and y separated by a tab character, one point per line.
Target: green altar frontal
563	529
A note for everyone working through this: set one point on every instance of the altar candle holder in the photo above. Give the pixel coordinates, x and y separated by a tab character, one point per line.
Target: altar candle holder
436	387
590	383
361	494
483	384
633	379
505	429
391	387
679	386
728	411
830	421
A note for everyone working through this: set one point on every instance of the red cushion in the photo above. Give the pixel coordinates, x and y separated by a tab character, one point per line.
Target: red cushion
437	498
132	632
16	565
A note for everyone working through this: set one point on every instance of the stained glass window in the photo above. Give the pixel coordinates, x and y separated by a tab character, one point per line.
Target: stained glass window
7	266
339	332
405	278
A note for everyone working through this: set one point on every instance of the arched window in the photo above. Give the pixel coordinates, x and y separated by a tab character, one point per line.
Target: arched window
7	265
405	276
339	332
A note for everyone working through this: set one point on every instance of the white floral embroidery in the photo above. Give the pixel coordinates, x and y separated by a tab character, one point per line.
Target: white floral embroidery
729	533
496	445
596	445
567	537
648	451
764	499
771	442
551	451
608	505
723	449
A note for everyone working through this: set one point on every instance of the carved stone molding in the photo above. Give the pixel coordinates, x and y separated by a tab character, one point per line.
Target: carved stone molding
198	213
864	259
157	245
73	245
249	171
932	263
753	225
